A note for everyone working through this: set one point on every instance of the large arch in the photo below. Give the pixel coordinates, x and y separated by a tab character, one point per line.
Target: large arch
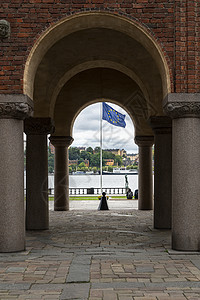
89	57
123	44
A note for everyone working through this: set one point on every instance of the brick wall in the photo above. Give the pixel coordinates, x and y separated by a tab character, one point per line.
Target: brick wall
28	18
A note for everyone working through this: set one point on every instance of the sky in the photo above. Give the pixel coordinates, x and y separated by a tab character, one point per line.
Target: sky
86	130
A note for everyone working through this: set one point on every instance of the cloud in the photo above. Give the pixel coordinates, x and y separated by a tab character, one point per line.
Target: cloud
86	130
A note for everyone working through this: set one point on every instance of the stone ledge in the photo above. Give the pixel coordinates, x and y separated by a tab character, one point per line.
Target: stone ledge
15	106
16	98
182	105
181	97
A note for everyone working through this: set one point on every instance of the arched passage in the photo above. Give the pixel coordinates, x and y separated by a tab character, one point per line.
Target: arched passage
89	57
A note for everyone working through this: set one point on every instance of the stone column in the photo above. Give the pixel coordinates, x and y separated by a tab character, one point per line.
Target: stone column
185	111
61	171
145	190
162	127
13	109
37	204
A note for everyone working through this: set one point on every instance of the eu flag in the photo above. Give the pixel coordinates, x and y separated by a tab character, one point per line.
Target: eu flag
113	116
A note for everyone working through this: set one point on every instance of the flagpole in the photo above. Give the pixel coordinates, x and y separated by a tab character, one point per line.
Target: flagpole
101	145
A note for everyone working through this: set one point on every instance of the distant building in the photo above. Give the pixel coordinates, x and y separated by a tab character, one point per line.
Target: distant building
52	148
134	158
131	156
136	161
81	148
120	152
123	152
109	162
87	163
73	162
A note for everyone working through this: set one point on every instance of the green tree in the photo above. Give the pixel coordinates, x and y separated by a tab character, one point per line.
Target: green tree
90	150
73	167
94	169
86	155
108	155
80	160
95	160
118	160
74	153
50	161
97	149
81	165
110	169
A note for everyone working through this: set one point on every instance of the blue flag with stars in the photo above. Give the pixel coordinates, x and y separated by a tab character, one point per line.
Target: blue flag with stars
113	116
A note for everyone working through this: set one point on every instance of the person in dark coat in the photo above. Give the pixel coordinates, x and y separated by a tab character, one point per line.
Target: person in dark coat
129	194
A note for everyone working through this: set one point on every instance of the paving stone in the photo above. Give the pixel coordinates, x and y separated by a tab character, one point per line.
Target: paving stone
145	269
52	287
76	291
196	263
80	269
15	270
120	285
14	286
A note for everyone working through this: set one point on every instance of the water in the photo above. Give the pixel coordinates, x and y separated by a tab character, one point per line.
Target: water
89	181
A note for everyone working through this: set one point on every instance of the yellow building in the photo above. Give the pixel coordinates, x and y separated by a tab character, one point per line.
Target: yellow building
109	162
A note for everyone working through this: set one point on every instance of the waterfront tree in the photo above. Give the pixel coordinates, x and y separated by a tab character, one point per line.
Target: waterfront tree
90	150
74	153
50	161
97	149
118	160
82	165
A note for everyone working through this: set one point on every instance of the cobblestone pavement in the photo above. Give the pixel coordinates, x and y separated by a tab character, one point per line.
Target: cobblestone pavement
90	254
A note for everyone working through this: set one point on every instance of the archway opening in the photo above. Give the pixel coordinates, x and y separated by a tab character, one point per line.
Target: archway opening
93	56
120	159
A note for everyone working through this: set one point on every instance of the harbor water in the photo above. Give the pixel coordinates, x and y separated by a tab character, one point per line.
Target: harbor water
93	181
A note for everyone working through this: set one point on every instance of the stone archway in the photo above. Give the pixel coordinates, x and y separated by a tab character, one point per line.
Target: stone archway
89	57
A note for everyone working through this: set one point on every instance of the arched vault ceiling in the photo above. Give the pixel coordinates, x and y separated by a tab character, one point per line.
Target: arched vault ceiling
95	85
94	45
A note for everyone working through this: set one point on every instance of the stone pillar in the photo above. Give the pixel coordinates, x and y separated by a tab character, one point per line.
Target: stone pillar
162	127
145	190
13	109
185	111
37	204
61	171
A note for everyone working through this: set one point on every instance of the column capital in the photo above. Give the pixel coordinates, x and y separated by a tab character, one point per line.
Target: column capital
15	106
61	141
38	126
182	105
161	124
144	141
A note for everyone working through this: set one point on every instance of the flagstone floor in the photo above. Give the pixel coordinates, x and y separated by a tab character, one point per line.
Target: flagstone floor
90	254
